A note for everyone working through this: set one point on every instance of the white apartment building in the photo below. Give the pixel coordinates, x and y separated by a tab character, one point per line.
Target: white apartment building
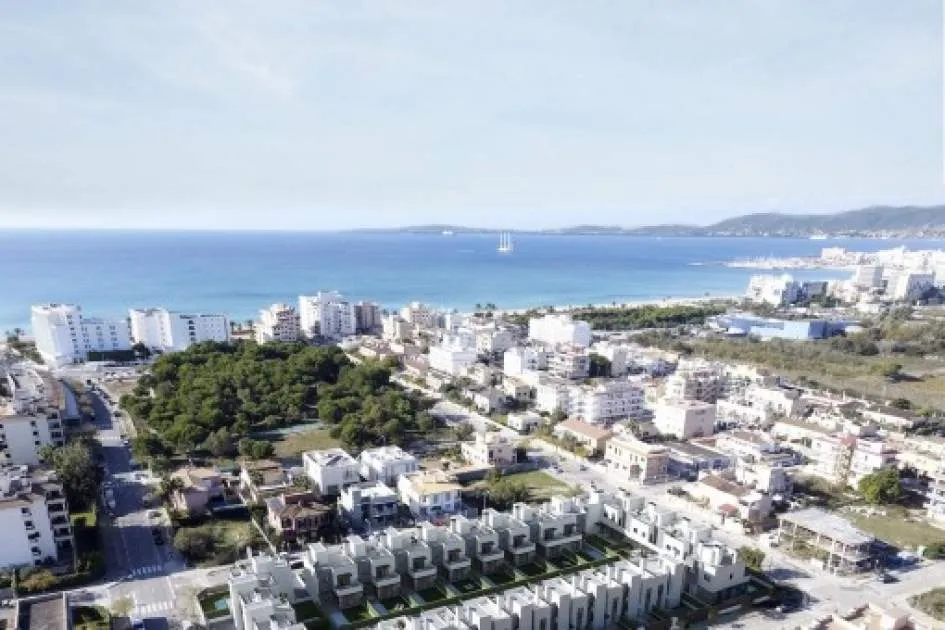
607	401
331	470
639	461
909	285
524	422
367	316
396	328
758	405
489	449
832	454
106	335
34	518
775	290
618	355
749	445
696	379
63	335
870	455
492	340
684	419
452	356
328	314
170	331
935	505
421	315
868	277
554	329
279	322
552	394
571	363
386	464
430	493
27	421
516	361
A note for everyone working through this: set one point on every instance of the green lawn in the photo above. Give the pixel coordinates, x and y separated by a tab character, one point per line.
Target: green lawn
396	603
894	528
467	586
214	602
533	568
90	618
502	577
538	480
932	603
433	594
359	613
306	610
294	444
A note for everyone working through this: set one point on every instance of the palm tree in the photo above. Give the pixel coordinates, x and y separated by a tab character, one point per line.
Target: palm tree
170	485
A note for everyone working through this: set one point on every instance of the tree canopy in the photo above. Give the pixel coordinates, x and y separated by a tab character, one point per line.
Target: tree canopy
881	487
212	394
646	316
75	465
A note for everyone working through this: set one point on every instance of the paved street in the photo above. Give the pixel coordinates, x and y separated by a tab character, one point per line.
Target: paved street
131	555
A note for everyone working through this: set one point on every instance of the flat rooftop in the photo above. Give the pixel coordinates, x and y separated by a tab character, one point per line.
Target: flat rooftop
693	450
46	614
827	524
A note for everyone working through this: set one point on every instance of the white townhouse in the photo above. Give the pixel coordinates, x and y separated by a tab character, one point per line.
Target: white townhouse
386	464
554	329
327	313
370	503
279	322
331	470
63	335
489	449
429	494
170	331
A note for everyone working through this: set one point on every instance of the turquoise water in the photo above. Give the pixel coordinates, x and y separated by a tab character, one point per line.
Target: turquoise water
237	273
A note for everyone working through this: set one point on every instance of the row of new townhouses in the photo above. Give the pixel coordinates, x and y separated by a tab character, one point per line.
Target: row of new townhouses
678	557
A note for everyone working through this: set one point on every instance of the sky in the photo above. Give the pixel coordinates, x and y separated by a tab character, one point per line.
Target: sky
534	114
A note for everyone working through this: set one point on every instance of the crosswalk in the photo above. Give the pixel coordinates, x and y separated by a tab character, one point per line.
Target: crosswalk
145	610
148	570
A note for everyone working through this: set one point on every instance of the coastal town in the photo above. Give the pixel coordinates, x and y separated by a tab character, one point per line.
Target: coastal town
335	464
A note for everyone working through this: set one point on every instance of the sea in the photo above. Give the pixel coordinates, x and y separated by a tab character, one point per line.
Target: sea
238	273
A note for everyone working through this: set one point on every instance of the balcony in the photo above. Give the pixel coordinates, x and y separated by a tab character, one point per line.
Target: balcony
455	559
385	577
60	534
420	569
345	587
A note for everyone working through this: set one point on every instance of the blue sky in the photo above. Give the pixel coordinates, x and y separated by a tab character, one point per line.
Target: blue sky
504	114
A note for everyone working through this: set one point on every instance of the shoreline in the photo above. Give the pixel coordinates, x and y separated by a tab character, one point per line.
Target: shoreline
660	302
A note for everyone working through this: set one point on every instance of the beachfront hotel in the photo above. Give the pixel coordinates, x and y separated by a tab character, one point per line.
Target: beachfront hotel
64	335
170	331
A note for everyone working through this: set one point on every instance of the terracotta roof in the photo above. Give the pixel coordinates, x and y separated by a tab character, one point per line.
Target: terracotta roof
584	428
724	485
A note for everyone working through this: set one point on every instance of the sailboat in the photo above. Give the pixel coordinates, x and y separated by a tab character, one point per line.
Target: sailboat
505	243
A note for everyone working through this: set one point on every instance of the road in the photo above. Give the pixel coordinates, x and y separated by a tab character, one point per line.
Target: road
140	566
